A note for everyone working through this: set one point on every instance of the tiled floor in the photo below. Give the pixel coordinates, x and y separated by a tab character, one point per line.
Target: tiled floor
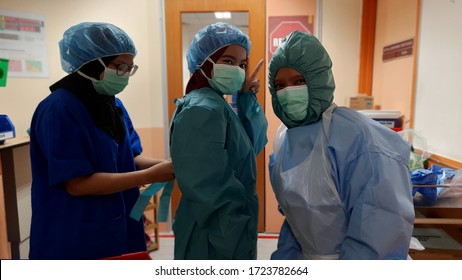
266	245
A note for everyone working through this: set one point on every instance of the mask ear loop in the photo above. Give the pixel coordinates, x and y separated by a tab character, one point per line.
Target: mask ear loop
202	71
86	76
91	78
211	61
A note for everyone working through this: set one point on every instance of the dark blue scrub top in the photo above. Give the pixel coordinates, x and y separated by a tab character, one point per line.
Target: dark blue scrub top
66	144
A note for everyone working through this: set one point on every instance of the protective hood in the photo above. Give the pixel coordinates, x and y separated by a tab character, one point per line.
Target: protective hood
304	53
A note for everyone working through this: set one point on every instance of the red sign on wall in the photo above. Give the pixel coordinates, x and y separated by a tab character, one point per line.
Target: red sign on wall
280	27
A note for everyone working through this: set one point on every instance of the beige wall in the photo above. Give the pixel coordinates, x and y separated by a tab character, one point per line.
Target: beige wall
340	35
392	80
278	8
139	18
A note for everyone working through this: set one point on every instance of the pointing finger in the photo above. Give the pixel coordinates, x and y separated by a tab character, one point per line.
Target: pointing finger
256	70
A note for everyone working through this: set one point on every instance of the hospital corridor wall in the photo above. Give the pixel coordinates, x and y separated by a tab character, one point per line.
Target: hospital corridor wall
438	96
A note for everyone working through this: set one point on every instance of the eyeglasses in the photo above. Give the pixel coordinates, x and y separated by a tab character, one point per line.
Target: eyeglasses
122	69
126	70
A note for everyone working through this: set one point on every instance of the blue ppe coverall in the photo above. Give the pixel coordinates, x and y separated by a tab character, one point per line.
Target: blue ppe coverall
66	144
372	181
213	152
341	179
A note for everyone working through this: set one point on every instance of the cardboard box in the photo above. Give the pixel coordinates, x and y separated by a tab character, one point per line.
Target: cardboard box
389	119
442	242
362	102
438	226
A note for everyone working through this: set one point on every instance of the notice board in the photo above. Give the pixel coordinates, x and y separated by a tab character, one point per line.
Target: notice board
438	96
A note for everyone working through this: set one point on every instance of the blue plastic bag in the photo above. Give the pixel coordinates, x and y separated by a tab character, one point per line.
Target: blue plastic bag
435	175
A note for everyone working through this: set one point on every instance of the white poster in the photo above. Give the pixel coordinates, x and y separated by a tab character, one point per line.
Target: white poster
22	42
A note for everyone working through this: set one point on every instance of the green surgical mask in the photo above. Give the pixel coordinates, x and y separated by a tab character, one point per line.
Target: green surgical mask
227	79
111	84
294	101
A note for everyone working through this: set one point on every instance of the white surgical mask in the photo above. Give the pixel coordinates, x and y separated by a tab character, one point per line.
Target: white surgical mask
294	101
111	84
227	79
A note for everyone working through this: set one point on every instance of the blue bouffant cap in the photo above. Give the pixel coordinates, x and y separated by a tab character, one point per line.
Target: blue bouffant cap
211	38
88	41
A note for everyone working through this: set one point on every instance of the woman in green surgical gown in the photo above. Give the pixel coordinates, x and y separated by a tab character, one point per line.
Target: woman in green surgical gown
213	149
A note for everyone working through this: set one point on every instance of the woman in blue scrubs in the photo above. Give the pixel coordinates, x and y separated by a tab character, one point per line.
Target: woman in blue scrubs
86	155
341	179
214	149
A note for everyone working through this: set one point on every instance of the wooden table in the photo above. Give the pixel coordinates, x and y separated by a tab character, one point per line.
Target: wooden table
444	214
9	192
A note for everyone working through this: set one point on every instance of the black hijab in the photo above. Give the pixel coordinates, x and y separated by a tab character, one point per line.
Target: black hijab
102	109
197	79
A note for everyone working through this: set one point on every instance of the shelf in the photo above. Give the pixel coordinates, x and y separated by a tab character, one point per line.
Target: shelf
150	223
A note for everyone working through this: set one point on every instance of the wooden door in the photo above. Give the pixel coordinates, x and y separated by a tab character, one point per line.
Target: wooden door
256	10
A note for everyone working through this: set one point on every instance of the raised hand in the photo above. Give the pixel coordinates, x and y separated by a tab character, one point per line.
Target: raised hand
251	83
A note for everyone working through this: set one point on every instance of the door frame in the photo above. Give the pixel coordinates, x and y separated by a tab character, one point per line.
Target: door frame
256	10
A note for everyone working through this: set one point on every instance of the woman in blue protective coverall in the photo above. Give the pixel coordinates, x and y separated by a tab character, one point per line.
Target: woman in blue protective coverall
341	179
86	155
213	149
